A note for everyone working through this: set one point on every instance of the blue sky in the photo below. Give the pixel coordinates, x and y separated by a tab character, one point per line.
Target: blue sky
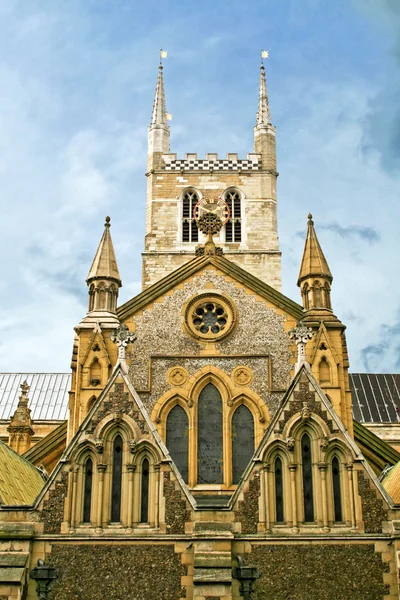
77	82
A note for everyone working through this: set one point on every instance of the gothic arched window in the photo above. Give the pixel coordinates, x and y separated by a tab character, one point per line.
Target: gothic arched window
233	228
178	440
144	500
308	498
210	436
279	490
116	480
242	441
324	371
190	232
337	495
87	490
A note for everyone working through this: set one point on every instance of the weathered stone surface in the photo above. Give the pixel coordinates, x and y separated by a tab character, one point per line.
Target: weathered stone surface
248	512
319	572
118	401
116	572
314	404
373	510
53	508
177	512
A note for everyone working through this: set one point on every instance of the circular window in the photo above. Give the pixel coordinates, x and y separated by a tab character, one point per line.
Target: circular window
209	316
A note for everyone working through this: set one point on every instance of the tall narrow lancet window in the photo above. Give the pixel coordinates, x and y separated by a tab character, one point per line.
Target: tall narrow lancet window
144	500
177	439
87	490
116	480
233	228
337	495
190	233
210	445
308	498
279	490
242	441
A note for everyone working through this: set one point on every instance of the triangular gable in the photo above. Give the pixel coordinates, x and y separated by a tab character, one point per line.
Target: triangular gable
317	403
323	337
229	268
96	337
130	400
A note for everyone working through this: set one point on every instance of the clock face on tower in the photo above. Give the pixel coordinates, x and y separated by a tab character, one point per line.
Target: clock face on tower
213	206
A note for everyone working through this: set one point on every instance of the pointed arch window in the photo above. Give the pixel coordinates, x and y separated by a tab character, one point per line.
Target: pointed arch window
242	441
190	232
178	439
279	490
324	371
87	490
116	480
308	498
210	436
144	500
233	228
337	494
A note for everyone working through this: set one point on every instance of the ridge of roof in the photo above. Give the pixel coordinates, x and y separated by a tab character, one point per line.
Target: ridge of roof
221	262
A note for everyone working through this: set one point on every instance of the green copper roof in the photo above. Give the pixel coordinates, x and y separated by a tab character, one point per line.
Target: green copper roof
20	481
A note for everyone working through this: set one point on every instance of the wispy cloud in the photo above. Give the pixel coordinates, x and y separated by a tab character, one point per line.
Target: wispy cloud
368	234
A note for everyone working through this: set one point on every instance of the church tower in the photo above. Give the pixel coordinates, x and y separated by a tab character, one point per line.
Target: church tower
248	186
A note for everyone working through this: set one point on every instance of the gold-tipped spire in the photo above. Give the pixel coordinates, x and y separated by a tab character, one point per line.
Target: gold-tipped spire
313	263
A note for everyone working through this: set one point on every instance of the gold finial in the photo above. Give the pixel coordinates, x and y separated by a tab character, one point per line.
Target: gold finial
24	388
107	223
310	221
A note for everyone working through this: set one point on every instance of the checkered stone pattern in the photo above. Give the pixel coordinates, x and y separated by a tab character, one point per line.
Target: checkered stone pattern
212	165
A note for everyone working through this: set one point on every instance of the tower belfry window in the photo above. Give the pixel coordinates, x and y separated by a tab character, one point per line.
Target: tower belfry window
190	232
233	228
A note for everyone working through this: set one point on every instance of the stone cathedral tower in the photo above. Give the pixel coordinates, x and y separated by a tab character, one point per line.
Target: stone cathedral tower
248	185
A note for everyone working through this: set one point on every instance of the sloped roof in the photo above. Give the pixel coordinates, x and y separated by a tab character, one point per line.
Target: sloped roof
20	481
391	483
378	452
375	397
313	263
48	394
104	263
228	267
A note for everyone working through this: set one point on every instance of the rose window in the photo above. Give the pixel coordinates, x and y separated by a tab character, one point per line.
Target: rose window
209	316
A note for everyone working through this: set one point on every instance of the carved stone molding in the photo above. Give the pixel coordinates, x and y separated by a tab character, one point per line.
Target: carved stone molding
177	376
242	375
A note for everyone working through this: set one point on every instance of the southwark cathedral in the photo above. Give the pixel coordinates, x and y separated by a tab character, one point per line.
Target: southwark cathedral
208	441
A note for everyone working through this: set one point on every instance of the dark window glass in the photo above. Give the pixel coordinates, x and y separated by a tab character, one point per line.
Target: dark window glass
177	439
307	479
242	441
144	504
210	453
337	496
233	228
279	490
190	232
87	493
116	480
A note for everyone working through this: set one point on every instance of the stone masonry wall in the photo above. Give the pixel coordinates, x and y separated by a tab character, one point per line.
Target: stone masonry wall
116	572
319	572
260	330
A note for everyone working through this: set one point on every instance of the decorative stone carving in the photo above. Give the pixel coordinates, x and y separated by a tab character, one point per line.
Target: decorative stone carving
177	376
209	317
132	446
242	375
324	443
99	446
306	412
290	443
301	334
122	337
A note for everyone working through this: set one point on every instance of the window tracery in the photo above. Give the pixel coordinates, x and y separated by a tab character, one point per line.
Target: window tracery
190	232
233	228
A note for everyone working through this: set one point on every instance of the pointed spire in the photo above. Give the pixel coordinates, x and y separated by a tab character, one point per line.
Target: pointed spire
313	263
104	265
159	115
20	428
263	118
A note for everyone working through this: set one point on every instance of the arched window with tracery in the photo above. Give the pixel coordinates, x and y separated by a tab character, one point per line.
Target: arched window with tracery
190	232
242	441
337	493
233	228
279	517
178	439
308	498
210	436
116	480
87	490
144	499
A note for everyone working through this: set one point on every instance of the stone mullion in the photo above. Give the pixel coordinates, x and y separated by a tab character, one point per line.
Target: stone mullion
349	468
292	469
70	494
101	469
322	469
131	469
265	494
75	470
157	497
